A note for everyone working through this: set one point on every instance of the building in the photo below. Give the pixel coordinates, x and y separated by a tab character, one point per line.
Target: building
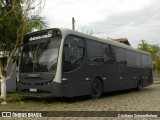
123	40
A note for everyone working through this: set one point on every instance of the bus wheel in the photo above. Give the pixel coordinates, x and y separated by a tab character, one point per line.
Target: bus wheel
139	87
96	89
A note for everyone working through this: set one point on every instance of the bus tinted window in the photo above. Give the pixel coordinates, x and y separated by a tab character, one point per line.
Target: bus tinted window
121	56
109	54
113	54
138	59
131	58
73	53
145	60
149	61
95	52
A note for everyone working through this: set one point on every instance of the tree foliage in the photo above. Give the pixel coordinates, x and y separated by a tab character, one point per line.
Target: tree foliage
155	52
8	26
17	18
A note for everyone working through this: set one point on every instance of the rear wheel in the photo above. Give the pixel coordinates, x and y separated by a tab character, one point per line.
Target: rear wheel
96	89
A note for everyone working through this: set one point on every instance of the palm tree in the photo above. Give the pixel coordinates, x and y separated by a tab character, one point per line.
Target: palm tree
144	46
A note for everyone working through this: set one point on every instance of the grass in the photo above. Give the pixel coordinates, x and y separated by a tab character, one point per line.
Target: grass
16	102
19	102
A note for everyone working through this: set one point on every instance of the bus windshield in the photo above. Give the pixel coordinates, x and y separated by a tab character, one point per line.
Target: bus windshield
40	56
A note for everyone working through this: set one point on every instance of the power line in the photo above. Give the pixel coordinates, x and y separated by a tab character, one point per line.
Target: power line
116	24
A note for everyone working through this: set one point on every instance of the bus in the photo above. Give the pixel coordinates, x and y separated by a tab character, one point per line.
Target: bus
60	62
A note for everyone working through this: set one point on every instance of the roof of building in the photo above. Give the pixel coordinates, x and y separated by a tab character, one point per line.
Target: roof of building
123	40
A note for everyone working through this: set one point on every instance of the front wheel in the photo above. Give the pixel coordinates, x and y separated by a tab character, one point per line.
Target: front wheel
96	89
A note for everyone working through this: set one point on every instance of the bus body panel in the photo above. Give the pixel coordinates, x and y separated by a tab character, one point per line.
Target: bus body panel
51	90
78	81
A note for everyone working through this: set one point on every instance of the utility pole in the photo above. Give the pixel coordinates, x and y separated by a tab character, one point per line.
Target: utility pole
73	23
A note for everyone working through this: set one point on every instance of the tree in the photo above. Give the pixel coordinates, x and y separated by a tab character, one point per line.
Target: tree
17	18
155	53
144	46
8	26
12	15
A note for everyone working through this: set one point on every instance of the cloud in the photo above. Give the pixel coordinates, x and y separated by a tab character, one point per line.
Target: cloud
112	14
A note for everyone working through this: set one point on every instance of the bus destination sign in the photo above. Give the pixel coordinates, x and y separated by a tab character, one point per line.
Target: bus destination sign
40	37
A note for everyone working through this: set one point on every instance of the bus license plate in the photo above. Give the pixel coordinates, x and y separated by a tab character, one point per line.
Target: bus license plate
33	90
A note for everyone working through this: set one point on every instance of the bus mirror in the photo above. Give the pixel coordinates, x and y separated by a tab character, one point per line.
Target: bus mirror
67	45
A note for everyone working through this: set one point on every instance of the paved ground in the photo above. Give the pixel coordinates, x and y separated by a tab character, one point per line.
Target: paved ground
148	99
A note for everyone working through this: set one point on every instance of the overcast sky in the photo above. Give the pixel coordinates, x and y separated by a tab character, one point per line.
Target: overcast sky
131	19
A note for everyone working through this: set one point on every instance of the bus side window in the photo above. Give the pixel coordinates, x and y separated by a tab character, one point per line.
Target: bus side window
66	53
113	54
149	61
109	54
138	59
121	56
95	52
145	60
73	53
131	58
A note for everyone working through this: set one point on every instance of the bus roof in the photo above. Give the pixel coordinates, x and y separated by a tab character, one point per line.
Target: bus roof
66	32
110	41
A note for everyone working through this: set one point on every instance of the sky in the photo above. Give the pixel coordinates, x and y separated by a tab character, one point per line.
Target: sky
135	20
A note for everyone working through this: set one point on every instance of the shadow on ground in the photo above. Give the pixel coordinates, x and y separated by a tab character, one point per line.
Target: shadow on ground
76	99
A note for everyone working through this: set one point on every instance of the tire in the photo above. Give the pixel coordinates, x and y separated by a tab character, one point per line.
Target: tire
139	86
96	89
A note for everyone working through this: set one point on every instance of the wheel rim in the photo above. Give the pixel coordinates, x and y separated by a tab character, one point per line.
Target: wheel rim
96	88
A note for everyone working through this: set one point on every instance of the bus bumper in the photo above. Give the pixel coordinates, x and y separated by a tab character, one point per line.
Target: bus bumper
49	90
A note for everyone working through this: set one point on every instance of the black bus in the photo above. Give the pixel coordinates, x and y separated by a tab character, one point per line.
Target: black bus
66	63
